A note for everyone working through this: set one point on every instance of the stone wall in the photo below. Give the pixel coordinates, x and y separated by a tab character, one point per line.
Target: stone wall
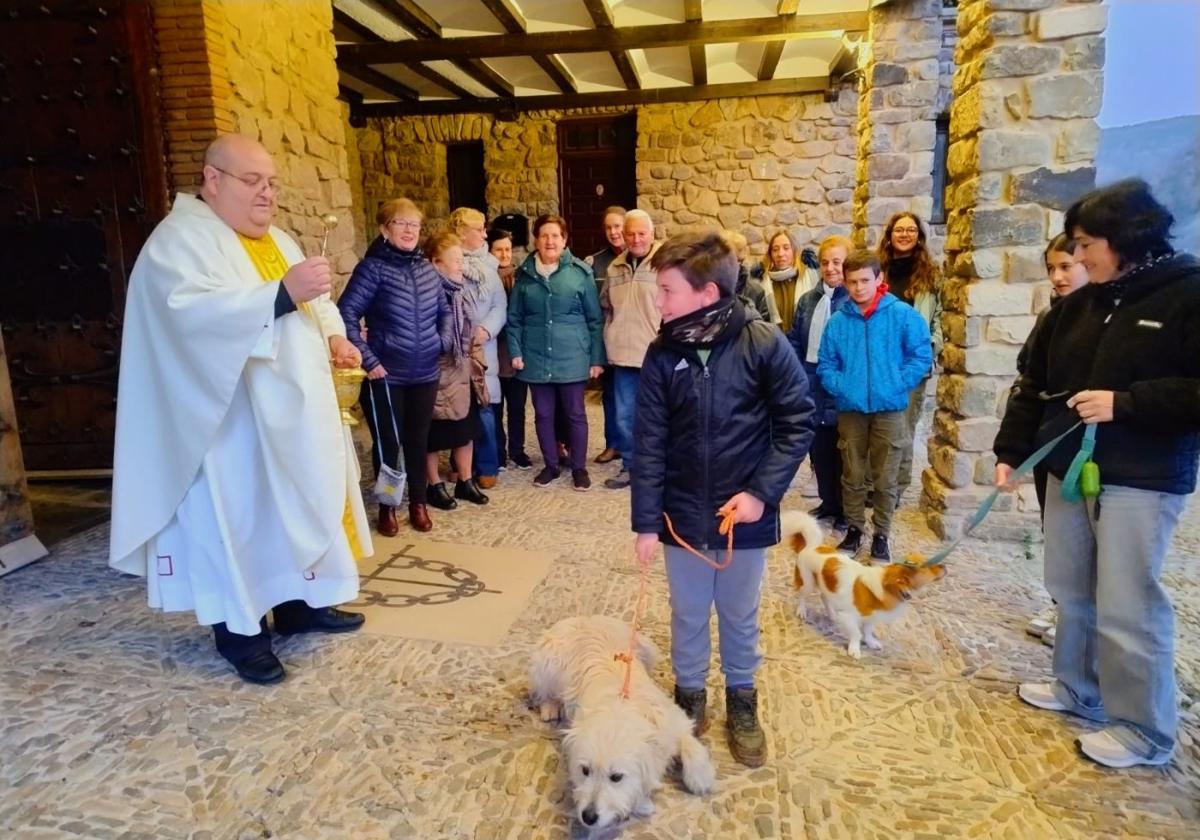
264	69
16	519
748	164
898	112
1023	139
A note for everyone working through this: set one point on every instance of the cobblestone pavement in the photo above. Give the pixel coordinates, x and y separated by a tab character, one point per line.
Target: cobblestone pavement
116	721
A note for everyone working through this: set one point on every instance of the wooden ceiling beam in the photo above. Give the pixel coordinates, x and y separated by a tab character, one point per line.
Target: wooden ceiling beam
557	71
350	95
381	81
602	40
440	80
602	16
787	7
693	13
358	30
605	99
486	76
412	17
509	15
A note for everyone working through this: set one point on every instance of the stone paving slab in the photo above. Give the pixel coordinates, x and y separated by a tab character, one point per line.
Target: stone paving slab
116	721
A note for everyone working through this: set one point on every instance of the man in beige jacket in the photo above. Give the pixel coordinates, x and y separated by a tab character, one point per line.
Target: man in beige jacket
631	322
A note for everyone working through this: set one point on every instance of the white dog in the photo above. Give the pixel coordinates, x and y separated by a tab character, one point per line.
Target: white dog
856	597
617	749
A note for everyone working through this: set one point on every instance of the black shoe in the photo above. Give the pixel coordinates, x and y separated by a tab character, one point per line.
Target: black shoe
879	549
438	496
840	523
851	542
581	480
469	491
546	477
746	739
619	481
262	668
522	462
820	512
694	703
317	620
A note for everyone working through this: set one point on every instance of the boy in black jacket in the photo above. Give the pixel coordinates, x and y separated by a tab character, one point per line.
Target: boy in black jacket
723	422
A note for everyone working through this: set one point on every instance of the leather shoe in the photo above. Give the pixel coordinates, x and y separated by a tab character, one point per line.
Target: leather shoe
440	497
262	668
320	620
418	517
469	491
486	482
609	454
388	526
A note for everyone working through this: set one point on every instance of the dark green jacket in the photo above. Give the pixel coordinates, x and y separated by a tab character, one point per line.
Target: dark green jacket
554	325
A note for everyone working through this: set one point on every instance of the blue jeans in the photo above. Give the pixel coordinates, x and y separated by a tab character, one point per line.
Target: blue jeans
625	388
736	591
609	401
1114	657
487	454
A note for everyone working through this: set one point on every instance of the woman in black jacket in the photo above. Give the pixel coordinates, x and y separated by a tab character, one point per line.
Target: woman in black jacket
1123	354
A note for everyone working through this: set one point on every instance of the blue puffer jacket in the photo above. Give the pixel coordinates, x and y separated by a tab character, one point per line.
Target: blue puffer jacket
806	306
871	365
409	321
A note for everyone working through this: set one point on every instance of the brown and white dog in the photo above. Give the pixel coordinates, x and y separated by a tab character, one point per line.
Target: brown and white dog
856	597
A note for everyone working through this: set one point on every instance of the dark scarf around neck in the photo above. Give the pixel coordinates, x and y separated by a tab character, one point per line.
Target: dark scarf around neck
707	326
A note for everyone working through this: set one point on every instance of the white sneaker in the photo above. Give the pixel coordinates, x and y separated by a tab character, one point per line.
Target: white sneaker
1048	636
1040	695
1102	748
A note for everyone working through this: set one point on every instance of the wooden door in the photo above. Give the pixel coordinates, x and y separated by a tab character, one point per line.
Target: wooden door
82	184
596	159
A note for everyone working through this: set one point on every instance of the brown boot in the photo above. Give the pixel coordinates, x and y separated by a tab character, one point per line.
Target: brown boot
746	739
418	517
388	527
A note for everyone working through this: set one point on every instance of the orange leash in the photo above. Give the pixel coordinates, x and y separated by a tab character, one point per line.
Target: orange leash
639	606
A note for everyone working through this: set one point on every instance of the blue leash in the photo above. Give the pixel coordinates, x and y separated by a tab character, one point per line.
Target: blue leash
1070	484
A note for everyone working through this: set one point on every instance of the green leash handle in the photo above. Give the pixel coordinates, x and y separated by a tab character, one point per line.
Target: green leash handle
1075	487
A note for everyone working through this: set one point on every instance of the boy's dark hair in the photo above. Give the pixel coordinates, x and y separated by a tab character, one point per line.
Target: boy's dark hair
1061	243
702	258
1128	216
860	259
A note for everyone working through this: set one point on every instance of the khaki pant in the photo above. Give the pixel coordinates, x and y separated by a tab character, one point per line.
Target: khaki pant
874	444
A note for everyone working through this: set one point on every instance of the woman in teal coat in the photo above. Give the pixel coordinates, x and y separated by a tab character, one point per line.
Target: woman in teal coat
554	338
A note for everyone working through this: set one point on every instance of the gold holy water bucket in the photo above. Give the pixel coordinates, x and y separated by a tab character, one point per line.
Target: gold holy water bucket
347	382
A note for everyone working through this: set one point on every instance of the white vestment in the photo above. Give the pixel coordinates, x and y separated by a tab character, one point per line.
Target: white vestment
232	474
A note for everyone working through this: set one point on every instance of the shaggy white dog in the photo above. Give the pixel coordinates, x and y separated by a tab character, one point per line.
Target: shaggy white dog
617	749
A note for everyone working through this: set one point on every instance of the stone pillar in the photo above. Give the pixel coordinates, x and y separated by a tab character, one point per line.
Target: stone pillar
897	115
1023	138
18	545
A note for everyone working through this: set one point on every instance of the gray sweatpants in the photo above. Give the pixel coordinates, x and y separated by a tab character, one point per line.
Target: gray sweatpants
736	591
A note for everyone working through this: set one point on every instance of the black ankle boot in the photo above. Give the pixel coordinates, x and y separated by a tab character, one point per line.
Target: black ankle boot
852	541
439	497
469	491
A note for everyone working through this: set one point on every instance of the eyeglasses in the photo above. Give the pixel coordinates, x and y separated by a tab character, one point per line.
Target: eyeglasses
901	230
404	224
254	180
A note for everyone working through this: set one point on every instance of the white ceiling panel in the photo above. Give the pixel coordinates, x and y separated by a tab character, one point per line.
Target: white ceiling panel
369	14
370	93
730	63
555	15
663	66
646	12
463	18
424	87
742	9
526	77
451	72
593	71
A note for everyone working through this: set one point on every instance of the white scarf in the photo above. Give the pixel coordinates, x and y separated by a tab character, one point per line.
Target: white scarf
819	319
544	269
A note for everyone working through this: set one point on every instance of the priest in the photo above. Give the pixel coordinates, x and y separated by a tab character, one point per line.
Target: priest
235	484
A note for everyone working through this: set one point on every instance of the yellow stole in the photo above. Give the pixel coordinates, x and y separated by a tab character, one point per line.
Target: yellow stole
271	266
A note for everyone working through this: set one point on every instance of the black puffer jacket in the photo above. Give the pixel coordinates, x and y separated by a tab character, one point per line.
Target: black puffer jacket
704	433
1139	337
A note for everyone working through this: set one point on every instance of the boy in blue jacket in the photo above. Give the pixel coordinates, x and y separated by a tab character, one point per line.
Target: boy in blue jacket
875	350
723	421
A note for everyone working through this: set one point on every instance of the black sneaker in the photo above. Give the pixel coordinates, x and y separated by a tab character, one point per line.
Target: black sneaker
521	461
821	512
546	477
438	496
840	523
581	480
746	739
469	491
851	542
694	703
619	481
879	549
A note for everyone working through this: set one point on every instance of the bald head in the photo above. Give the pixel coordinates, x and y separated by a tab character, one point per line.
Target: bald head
239	183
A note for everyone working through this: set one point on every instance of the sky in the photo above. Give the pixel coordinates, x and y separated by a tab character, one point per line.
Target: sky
1152	61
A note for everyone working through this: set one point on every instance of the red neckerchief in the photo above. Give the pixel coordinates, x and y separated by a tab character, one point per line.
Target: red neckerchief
879	293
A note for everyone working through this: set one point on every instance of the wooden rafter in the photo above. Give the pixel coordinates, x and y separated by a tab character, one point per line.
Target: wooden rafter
774	50
347	94
602	40
696	54
785	87
514	23
381	81
603	18
557	71
412	17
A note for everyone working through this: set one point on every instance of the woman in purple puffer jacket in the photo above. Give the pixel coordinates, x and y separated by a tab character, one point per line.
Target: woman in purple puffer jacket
397	292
